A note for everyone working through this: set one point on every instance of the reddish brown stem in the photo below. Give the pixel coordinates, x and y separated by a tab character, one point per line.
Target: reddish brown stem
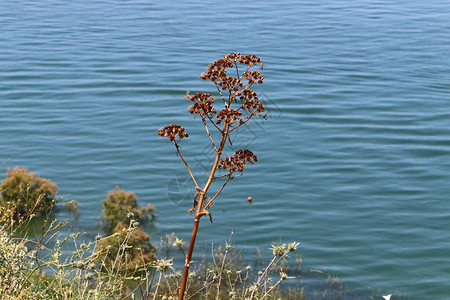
185	163
198	214
189	254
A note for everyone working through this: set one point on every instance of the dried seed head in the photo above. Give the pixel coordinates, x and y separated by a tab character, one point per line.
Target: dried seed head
238	161
254	106
254	77
178	243
229	116
292	246
163	264
172	132
202	104
278	250
249	59
217	71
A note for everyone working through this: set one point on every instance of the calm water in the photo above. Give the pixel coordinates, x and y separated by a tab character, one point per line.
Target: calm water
354	161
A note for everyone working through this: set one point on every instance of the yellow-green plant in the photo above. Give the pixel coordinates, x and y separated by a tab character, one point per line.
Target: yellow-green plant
233	77
45	269
226	276
15	262
127	250
27	193
118	206
121	217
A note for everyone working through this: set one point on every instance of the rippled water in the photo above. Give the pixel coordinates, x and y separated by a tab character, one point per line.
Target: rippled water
354	161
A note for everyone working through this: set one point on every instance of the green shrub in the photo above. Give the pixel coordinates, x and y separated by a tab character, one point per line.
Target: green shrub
27	193
129	242
118	206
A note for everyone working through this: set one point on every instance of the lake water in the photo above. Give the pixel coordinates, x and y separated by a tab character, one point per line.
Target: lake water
354	161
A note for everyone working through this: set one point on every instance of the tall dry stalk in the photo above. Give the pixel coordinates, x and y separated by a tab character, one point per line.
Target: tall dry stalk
234	91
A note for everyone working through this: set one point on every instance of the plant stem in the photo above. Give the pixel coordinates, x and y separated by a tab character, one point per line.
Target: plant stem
157	286
186	164
198	214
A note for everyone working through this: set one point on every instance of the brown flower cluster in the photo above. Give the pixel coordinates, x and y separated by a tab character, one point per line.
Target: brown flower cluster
251	102
238	161
254	77
172	132
202	104
249	59
217	71
238	91
254	106
229	116
230	83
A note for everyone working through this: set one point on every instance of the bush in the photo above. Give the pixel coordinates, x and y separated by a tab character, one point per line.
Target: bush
122	216
27	193
117	208
127	250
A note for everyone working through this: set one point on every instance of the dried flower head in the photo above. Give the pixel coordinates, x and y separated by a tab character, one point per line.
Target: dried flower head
178	243
254	77
172	132
236	88
250	59
254	106
278	250
238	161
293	246
217	71
229	116
163	264
202	104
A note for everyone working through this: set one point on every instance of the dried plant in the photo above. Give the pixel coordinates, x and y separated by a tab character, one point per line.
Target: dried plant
239	104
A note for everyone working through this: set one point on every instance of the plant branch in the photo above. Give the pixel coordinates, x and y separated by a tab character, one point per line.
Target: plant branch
237	70
236	127
199	213
218	192
187	166
209	135
222	176
242	75
274	286
220	92
212	122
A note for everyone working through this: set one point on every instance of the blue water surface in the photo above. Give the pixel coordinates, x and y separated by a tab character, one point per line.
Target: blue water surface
354	160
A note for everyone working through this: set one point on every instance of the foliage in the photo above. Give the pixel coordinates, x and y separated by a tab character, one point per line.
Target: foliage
43	271
45	268
15	263
131	244
119	206
6	215
27	193
225	275
121	216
